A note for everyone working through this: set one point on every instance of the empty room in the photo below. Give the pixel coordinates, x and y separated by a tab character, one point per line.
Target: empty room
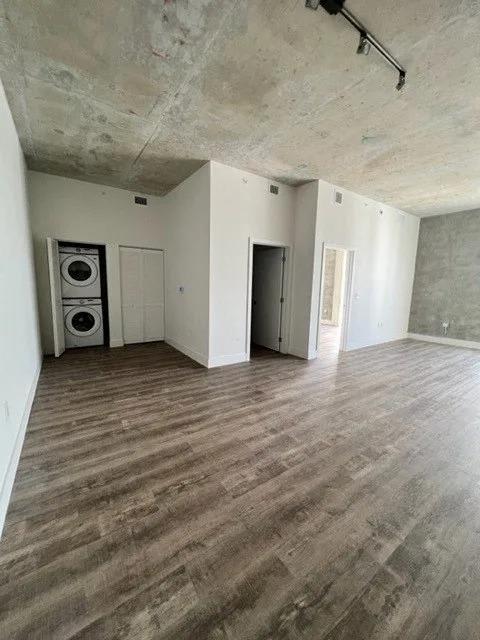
240	358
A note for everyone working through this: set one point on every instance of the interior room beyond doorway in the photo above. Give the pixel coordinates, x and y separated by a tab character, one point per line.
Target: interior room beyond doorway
333	300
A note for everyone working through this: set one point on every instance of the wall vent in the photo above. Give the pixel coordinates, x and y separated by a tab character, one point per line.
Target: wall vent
274	189
140	200
338	197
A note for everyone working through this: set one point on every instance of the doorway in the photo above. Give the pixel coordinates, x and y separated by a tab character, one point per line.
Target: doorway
268	282
337	269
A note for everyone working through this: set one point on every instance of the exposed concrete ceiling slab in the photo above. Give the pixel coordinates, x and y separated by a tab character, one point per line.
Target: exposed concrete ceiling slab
139	94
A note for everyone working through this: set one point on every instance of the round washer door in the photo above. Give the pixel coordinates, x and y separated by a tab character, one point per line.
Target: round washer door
79	270
82	321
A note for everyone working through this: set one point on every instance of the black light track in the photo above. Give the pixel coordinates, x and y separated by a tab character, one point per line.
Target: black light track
333	7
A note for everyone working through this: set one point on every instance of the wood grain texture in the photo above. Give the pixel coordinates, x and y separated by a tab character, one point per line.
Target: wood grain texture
276	499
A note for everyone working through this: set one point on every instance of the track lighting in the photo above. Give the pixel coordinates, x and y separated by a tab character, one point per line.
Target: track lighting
367	40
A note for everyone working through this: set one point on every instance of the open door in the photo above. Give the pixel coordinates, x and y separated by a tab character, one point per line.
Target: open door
267	296
56	296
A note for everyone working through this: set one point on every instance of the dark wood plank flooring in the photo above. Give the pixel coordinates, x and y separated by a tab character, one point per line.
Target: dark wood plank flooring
277	499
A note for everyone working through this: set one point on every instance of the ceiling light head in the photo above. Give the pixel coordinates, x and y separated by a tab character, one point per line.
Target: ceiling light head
363	45
332	6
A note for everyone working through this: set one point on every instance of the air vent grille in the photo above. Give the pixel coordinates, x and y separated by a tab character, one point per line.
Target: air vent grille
338	197
274	189
140	200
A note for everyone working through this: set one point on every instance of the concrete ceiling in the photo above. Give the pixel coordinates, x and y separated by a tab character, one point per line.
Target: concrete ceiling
139	93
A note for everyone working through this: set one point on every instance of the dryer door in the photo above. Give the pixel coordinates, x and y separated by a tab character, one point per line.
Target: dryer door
79	270
83	321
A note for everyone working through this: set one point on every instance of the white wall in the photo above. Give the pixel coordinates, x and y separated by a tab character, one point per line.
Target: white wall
20	356
385	243
306	203
241	208
205	226
187	224
79	211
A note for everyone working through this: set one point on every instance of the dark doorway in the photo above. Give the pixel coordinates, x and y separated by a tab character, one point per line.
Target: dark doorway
268	281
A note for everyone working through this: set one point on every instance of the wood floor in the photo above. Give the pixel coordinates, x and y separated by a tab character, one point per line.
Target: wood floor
329	339
276	499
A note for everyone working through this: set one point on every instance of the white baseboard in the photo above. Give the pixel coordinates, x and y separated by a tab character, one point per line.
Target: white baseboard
191	353
222	361
6	490
116	342
453	342
356	347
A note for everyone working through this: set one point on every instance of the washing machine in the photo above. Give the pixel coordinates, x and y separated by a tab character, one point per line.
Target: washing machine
80	272
83	322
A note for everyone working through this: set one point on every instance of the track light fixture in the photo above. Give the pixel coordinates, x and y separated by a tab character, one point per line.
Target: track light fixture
367	40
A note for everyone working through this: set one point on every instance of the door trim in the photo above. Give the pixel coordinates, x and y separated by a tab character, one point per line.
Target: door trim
285	314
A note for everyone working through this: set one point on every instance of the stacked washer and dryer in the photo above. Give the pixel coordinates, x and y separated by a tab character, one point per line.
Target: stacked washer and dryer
80	271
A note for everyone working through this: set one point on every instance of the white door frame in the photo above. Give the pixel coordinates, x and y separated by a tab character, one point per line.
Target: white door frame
285	318
347	291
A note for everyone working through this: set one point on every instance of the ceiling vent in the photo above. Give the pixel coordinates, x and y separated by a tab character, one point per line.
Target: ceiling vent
140	200
274	189
338	197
